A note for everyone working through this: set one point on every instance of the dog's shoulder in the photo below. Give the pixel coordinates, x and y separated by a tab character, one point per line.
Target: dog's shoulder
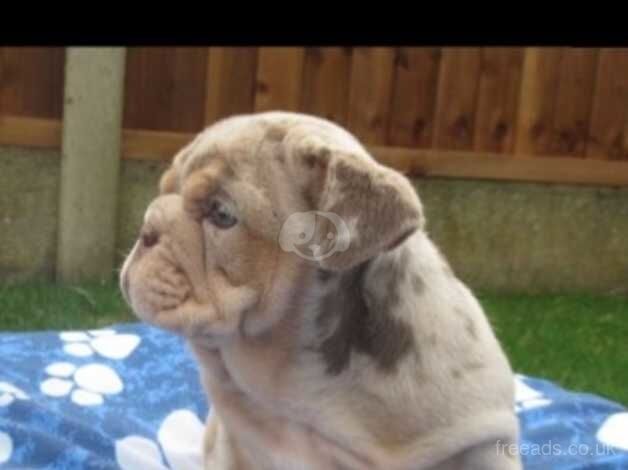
375	308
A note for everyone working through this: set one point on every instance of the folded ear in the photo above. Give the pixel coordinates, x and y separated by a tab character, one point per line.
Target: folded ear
372	208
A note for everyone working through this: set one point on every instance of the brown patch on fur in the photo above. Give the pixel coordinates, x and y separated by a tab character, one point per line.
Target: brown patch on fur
417	284
391	275
459	311
471	328
312	154
310	161
317	166
311	198
466	368
319	161
200	185
275	133
474	365
469	325
364	328
323	275
168	183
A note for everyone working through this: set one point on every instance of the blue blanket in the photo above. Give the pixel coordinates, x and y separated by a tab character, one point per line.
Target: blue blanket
129	397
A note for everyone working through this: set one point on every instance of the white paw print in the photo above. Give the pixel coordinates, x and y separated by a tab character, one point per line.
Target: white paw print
614	431
181	439
106	343
87	384
9	393
6	447
526	397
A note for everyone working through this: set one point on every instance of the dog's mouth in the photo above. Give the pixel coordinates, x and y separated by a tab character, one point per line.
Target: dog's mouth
165	270
152	282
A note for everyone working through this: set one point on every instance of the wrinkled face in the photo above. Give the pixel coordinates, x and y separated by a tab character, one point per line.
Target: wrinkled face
244	215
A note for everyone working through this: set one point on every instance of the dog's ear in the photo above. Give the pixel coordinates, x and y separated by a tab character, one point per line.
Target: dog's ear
373	208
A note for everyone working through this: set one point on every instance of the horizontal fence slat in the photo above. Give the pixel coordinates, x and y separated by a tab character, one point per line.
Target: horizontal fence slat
30	132
143	144
162	146
461	164
153	145
453	112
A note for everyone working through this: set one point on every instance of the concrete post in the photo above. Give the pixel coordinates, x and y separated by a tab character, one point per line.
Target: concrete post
90	163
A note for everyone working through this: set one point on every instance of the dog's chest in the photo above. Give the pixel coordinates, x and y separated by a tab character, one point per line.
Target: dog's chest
267	401
257	367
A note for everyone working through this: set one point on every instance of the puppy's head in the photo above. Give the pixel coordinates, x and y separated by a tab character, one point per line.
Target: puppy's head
250	211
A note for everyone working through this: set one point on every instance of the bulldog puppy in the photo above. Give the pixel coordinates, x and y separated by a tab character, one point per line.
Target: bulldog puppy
330	331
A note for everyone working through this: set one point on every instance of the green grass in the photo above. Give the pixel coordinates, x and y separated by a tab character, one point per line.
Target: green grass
578	341
46	306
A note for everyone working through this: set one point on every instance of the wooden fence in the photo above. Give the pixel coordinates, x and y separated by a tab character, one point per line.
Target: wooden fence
532	114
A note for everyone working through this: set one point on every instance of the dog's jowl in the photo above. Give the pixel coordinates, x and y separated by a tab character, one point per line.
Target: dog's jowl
330	331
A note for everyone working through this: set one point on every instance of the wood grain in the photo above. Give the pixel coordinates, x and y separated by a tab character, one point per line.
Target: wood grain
230	82
456	103
411	120
279	78
498	99
608	132
326	77
371	93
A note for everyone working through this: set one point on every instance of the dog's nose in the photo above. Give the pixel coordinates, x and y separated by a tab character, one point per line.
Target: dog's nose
149	238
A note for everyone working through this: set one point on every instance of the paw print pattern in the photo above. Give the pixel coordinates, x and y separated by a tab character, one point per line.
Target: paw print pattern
86	385
9	393
527	398
6	447
614	431
179	439
106	343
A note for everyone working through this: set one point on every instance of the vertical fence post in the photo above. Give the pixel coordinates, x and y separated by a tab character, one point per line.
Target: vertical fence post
90	163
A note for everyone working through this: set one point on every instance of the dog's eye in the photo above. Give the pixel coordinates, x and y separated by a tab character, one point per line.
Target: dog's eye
220	215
